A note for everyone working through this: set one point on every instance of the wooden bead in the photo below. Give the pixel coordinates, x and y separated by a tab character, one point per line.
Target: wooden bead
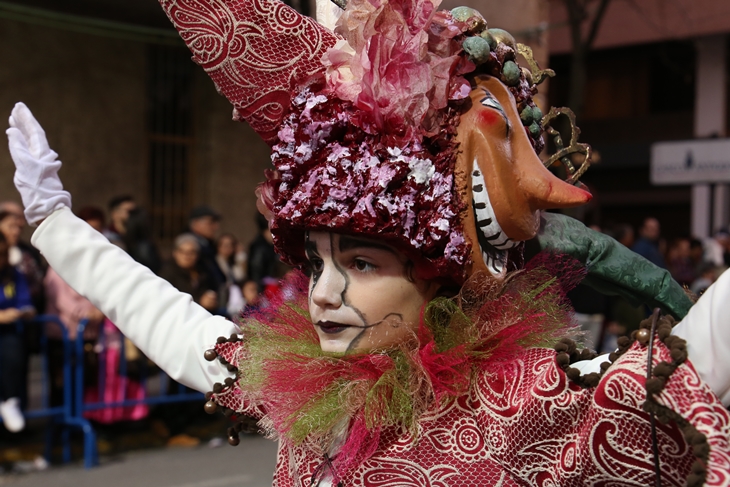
210	407
210	355
642	336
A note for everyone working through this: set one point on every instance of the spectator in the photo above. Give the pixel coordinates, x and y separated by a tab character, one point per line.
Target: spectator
679	262
204	223
93	216
708	274
231	259
716	248
263	262
138	240
119	208
27	261
624	234
696	254
71	308
186	273
647	244
15	304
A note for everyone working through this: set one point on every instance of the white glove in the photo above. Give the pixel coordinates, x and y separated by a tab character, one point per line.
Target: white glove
36	167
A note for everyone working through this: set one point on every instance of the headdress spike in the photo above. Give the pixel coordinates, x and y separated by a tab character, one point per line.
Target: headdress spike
258	53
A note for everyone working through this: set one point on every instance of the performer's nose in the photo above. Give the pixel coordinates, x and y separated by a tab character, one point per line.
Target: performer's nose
328	287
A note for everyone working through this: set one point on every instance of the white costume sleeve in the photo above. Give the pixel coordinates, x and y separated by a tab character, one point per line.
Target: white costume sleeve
164	323
706	328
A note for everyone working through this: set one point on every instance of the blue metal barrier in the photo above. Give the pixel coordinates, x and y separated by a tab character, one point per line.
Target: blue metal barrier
70	414
61	415
81	406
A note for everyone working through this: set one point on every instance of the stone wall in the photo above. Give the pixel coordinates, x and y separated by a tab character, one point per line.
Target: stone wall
89	93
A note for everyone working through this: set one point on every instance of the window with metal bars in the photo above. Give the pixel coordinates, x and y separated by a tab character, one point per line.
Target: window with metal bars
170	140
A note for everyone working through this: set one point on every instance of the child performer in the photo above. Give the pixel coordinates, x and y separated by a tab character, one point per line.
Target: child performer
405	146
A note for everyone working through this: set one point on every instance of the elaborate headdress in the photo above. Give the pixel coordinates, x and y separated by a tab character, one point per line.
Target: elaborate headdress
362	121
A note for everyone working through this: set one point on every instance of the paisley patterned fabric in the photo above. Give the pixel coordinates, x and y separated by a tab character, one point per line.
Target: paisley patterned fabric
526	424
257	63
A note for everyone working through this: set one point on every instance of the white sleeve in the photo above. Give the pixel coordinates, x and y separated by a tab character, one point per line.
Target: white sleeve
167	325
706	328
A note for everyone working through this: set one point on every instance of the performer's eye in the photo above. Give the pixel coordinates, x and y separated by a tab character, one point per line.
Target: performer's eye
491	102
316	264
363	265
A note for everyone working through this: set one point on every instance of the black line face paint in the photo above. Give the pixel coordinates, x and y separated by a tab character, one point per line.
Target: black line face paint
310	249
359	296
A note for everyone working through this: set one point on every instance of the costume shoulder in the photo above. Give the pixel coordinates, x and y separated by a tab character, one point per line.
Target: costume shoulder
550	426
612	268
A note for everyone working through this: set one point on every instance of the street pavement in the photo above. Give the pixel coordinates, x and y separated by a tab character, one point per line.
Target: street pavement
250	464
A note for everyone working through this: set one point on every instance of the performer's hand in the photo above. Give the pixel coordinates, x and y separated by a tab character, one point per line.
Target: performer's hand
36	167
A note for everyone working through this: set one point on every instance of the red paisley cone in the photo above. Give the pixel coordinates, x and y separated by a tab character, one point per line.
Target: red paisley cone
257	52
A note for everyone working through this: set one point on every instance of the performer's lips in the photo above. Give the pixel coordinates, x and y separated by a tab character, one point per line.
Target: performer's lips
331	327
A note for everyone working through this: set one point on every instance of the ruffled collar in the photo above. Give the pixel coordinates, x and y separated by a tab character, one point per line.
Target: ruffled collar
308	395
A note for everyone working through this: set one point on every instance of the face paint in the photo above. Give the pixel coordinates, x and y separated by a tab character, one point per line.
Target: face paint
360	297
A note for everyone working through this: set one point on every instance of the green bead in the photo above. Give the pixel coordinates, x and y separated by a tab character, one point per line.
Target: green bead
477	48
473	19
536	113
535	129
526	116
511	73
490	39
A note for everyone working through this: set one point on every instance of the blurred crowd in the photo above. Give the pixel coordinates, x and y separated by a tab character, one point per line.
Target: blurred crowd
217	270
694	263
227	278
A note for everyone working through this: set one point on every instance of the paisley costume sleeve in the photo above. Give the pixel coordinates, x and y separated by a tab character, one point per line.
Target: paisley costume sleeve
164	323
545	429
612	268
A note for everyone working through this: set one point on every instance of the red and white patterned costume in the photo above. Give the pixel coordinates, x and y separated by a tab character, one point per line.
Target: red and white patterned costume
528	424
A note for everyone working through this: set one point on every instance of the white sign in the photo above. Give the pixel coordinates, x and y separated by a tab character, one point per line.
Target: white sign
691	161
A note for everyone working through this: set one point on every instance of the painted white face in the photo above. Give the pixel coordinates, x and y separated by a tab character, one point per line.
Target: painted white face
360	294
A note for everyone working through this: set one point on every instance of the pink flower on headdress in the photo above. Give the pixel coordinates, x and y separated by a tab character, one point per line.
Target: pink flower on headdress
393	77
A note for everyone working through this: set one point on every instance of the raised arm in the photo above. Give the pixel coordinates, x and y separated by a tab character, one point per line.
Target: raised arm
164	323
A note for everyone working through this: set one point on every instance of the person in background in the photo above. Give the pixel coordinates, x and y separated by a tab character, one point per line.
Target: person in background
26	261
647	245
94	216
679	261
696	254
624	234
251	296
119	208
231	259
204	223
71	308
15	305
716	248
186	273
138	240
263	262
707	274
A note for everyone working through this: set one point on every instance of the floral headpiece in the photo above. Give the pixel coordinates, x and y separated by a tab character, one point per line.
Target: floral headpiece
362	121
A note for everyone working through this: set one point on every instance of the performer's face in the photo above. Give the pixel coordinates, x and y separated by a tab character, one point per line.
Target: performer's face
361	295
504	182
